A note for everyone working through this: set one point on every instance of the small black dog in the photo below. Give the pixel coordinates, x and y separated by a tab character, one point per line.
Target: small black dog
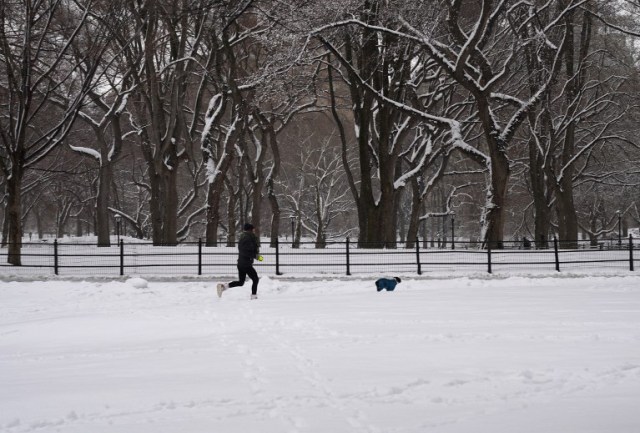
388	284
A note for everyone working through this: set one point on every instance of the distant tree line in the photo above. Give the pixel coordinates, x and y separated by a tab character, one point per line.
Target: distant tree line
366	118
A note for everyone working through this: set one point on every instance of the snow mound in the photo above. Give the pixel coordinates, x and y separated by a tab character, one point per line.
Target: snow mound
138	283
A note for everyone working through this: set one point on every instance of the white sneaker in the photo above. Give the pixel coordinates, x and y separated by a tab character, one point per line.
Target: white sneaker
254	297
221	288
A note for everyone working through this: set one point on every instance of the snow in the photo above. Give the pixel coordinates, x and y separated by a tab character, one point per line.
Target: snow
138	283
214	110
494	354
87	151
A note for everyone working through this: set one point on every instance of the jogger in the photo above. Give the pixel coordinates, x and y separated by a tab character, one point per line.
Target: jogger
247	251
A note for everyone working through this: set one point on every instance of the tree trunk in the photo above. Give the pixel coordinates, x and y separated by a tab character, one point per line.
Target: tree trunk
297	232
102	204
170	220
321	241
499	171
155	207
79	226
275	214
494	217
39	226
576	72
5	226
232	204
13	214
231	216
105	178
539	191
256	205
214	195
414	215
213	215
271	196
376	220
388	198
567	217
163	202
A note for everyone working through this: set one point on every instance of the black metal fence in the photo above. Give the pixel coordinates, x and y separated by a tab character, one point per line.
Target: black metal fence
336	258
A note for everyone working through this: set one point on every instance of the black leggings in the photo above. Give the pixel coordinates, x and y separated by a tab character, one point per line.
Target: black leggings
243	271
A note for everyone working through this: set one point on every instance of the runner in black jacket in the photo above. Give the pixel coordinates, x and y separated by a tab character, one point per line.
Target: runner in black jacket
247	252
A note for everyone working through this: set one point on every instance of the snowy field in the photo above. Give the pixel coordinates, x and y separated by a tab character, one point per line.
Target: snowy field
546	354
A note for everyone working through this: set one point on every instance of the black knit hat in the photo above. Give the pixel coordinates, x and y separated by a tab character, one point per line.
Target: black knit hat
248	226
398	279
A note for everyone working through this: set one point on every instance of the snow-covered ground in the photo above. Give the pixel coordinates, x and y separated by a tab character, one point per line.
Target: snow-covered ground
555	354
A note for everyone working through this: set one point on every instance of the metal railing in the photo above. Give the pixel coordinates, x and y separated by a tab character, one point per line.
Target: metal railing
336	258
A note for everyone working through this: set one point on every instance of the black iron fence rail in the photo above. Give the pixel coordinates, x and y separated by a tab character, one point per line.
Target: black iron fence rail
136	258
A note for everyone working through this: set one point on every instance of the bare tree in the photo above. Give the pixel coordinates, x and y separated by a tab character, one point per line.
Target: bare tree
320	196
379	69
103	115
164	50
583	112
477	51
36	40
226	116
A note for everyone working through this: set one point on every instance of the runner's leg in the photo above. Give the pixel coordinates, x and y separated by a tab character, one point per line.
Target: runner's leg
242	275
254	278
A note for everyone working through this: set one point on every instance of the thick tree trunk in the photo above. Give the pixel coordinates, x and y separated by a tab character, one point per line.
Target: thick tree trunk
214	196
321	240
271	196
164	204
496	200
389	222
213	215
297	237
102	204
5	226
567	217
231	217
155	207
494	212
256	206
388	197
170	223
377	219
576	74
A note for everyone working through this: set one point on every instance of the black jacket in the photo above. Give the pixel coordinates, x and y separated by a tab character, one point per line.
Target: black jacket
247	248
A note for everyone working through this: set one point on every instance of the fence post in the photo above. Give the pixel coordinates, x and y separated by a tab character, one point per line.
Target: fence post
555	250
121	257
348	259
278	257
489	256
199	256
55	256
418	256
631	252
